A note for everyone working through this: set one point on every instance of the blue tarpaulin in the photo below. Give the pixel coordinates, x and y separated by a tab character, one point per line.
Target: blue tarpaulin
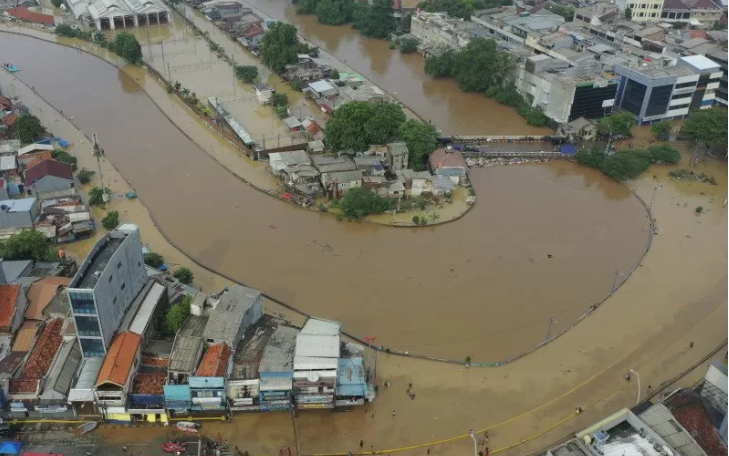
9	447
568	149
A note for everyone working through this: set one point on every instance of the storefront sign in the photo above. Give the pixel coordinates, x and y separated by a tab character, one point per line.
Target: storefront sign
243	401
211	406
51	408
206	400
17	407
314	406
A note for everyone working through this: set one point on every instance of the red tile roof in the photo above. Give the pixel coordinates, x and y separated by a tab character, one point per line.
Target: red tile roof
119	360
688	409
48	168
5	102
215	361
32	159
26	335
21	386
447	159
10	119
149	383
24	14
41	357
253	31
8	298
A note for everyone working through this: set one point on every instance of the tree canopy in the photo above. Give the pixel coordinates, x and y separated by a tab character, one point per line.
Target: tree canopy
127	47
280	46
627	164
708	126
356	125
246	73
111	220
177	315
421	139
153	260
661	128
360	202
616	124
334	12
440	66
28	245
567	12
376	20
477	67
184	275
29	128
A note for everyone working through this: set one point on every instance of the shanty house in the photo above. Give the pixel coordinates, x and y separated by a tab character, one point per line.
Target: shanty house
397	155
316	359
49	176
448	162
263	93
341	182
114	380
237	309
18	213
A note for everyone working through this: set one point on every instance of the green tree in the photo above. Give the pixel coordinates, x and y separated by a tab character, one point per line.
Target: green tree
96	196
534	116
473	65
377	20
127	47
65	157
334	12
29	128
357	125
421	139
28	245
111	220
629	14
441	65
706	126
177	315
567	12
455	8
280	99
409	45
153	260
662	128
664	154
57	3
280	46
306	6
184	275
246	73
85	175
616	124
361	202
625	165
593	157
334	74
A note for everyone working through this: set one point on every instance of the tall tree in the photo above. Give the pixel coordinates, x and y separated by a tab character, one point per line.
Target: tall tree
334	12
440	65
421	139
357	125
377	20
707	126
127	47
661	128
280	46
27	245
616	124
29	128
246	73
473	65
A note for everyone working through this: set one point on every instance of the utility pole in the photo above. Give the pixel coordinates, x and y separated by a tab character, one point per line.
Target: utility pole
96	150
552	320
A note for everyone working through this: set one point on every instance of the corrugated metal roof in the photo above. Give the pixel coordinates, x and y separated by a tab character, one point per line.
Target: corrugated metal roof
177	393
8	163
141	320
319	339
307	363
276	384
83	390
226	319
185	354
206	382
59	379
662	421
351	377
278	356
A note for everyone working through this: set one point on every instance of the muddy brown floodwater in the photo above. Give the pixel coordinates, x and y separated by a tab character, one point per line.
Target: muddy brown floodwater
483	286
436	100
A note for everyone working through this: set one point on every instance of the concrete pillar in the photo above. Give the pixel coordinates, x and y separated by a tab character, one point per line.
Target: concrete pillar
98	24
157	17
136	20
112	24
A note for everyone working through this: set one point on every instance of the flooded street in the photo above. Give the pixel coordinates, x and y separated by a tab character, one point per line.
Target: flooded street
436	100
490	270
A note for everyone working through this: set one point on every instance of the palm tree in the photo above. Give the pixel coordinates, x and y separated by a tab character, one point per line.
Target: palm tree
504	67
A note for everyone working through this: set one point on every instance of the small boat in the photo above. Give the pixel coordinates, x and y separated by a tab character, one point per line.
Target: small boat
85	428
174	447
12	68
188	426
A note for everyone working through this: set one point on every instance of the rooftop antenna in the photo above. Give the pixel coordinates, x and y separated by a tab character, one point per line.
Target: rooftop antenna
96	150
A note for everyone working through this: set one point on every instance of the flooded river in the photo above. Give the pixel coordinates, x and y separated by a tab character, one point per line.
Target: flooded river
484	286
436	100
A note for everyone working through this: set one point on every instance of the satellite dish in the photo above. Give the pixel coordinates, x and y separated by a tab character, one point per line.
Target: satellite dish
312	377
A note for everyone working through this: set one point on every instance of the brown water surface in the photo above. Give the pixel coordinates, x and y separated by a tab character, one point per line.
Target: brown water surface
483	286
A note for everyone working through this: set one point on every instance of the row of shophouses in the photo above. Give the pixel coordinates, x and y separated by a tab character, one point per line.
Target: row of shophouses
100	349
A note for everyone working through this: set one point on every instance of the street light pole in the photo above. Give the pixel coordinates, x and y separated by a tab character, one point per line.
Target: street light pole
475	443
552	320
637	401
615	282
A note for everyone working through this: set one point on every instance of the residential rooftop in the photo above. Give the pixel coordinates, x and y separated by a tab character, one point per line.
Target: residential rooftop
278	356
149	383
119	361
250	349
58	383
188	345
40	359
215	361
226	318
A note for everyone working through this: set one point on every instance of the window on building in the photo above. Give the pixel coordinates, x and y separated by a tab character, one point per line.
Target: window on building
632	99
124	285
88	326
641	14
92	347
681	95
114	301
118	265
110	277
685	85
658	102
82	303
